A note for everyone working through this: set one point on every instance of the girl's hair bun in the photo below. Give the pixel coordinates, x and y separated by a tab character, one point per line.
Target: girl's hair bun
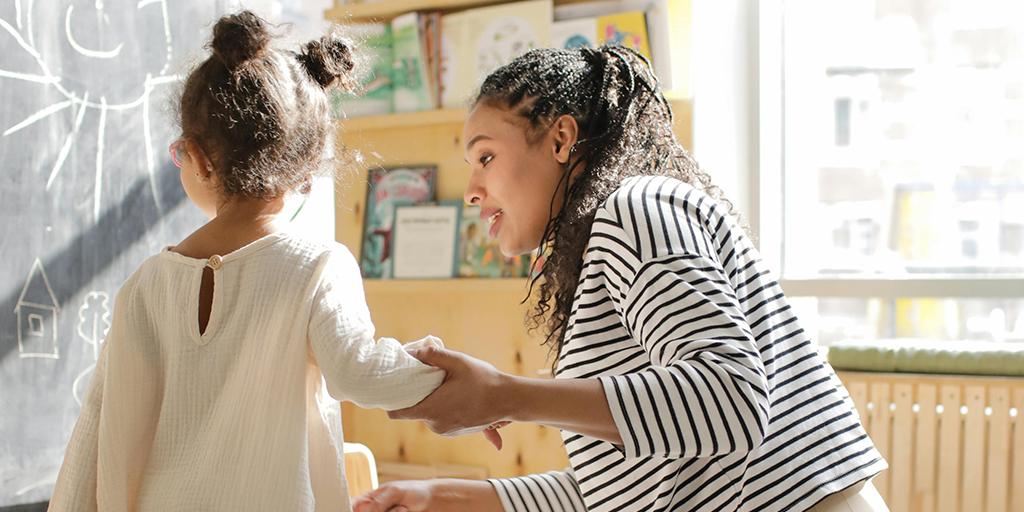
330	61
240	38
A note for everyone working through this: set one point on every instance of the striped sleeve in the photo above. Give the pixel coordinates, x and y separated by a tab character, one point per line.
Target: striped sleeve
555	491
705	393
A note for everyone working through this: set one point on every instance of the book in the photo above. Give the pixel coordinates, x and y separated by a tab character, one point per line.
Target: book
578	33
424	240
627	29
668	33
430	36
386	189
479	41
375	56
479	254
410	72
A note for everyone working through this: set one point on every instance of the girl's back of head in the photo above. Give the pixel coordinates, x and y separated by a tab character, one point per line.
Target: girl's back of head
260	114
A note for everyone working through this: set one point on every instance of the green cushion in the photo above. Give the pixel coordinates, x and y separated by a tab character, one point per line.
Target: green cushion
929	356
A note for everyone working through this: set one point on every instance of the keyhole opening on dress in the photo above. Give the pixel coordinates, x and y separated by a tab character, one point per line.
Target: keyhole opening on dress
205	299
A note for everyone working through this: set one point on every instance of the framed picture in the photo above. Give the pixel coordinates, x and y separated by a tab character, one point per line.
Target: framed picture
387	188
479	254
424	240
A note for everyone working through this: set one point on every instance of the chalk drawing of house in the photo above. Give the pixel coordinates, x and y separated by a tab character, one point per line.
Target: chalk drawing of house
37	311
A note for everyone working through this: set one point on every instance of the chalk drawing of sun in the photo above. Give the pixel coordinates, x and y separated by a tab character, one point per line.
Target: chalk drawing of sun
103	76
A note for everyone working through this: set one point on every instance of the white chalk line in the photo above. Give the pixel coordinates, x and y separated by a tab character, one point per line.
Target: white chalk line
88	52
28	121
99	157
64	150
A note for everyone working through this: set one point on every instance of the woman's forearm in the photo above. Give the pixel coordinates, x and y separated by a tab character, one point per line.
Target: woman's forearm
465	495
577	405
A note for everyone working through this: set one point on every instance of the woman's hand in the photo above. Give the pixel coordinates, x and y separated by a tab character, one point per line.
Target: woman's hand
410	496
446	495
471	398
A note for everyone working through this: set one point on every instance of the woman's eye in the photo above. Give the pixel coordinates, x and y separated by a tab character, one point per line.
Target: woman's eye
486	159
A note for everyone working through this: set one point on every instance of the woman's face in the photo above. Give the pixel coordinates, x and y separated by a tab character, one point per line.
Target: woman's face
513	179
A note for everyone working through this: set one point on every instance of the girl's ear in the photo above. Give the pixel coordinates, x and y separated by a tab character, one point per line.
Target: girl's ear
196	153
565	133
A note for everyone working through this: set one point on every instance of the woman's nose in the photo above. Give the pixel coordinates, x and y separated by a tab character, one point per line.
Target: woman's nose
474	194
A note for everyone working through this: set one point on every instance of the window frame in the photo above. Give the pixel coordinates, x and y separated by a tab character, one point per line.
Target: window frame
766	191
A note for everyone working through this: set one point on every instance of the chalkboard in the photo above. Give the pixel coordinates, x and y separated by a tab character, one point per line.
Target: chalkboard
87	192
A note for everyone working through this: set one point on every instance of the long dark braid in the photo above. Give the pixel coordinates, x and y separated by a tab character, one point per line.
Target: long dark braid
625	130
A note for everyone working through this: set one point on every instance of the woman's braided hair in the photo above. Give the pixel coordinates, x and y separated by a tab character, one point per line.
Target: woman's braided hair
625	126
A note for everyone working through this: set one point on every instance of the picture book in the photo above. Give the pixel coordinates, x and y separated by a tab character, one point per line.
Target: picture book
424	240
376	96
386	189
628	29
478	41
579	33
410	72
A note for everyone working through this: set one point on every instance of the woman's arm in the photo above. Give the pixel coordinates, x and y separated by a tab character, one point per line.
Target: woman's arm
445	495
555	491
486	396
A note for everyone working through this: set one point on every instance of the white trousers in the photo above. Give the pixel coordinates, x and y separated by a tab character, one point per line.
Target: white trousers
862	497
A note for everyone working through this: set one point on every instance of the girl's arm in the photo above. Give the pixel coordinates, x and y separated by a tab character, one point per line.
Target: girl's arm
356	367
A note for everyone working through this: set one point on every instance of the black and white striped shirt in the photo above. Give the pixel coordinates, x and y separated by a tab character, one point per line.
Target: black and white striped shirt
721	399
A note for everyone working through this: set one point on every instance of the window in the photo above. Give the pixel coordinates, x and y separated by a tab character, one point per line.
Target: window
35	325
892	194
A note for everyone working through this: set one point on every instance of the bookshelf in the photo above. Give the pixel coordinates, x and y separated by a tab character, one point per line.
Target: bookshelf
481	317
382	10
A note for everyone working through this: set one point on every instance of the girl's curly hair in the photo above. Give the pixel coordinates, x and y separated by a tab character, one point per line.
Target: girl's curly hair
262	114
625	126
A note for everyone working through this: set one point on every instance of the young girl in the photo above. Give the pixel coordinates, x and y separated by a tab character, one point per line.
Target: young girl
684	380
207	394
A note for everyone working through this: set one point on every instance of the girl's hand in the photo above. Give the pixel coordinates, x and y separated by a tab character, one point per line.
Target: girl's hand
471	398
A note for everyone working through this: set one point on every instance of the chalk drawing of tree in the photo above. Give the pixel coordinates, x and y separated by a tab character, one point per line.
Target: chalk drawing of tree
93	324
94	320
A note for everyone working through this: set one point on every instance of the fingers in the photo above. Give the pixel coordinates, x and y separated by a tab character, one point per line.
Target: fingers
494	437
434	356
382	499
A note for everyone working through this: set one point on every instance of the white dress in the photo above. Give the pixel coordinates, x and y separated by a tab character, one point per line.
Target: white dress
235	418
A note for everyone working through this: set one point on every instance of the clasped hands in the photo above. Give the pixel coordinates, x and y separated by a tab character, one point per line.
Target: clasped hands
471	398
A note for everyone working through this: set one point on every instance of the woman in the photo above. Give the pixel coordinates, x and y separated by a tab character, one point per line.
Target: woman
684	381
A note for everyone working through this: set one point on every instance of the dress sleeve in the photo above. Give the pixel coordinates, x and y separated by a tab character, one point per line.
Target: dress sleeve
372	374
77	481
555	491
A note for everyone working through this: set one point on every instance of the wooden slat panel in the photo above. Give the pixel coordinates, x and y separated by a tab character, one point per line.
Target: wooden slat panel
900	478
859	394
1017	482
974	449
998	471
949	449
880	431
925	450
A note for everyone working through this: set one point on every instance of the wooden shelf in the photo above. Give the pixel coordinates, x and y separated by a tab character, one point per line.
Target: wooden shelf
387	9
453	286
681	107
404	119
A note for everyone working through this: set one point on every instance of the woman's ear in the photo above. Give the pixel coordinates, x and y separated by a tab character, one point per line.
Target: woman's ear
565	132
